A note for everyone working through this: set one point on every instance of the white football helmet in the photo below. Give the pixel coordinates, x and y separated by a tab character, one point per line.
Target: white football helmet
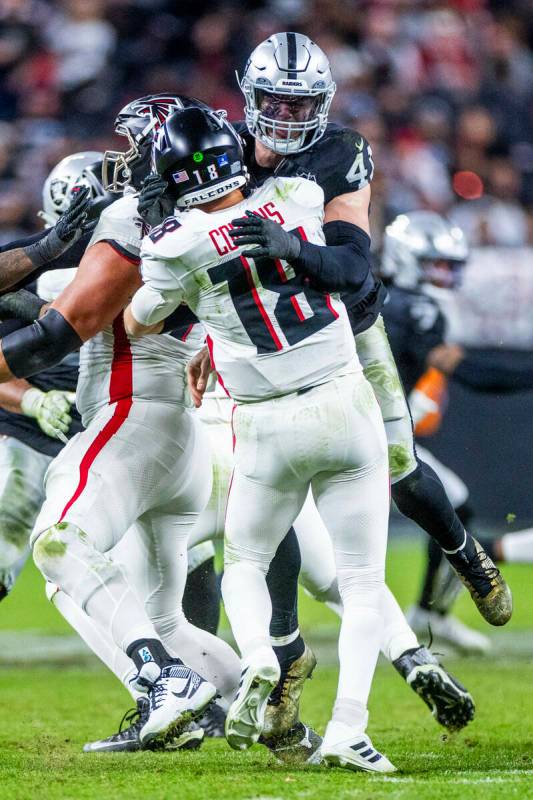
287	68
423	247
79	169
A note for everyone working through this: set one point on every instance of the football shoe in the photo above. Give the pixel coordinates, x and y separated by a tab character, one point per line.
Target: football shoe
447	628
246	715
212	722
448	700
344	748
297	746
179	696
486	585
127	740
282	712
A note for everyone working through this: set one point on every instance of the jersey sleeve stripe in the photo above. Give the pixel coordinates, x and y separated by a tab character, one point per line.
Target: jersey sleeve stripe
118	248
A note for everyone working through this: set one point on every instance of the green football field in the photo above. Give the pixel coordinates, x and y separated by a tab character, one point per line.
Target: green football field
54	698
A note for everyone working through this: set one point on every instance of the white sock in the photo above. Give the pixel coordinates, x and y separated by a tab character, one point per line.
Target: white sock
397	635
248	606
210	656
100	643
518	547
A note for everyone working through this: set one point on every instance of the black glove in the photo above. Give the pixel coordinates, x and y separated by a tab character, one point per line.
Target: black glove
22	305
273	241
70	226
154	206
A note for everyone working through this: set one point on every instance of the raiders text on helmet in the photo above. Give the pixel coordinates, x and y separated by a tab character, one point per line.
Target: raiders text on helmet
200	156
423	247
138	121
287	65
79	169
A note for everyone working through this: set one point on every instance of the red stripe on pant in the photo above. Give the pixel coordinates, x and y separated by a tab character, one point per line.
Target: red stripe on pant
120	392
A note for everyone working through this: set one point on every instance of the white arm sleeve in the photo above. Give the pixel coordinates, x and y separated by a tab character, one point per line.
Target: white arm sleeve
149	306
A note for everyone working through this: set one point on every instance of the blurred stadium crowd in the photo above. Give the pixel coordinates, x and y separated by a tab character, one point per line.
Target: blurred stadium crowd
442	91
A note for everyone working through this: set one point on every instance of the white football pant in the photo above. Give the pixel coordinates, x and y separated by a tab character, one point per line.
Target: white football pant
330	438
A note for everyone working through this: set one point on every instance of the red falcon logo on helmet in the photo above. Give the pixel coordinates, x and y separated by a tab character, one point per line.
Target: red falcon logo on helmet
157	110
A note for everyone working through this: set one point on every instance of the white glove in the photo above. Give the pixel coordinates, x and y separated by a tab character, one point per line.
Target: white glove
50	409
421	405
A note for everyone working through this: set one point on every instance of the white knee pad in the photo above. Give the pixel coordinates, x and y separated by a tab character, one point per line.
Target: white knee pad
401	447
236	554
66	557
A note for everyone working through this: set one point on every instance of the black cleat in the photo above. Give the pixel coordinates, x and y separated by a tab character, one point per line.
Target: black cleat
128	740
213	722
449	702
484	581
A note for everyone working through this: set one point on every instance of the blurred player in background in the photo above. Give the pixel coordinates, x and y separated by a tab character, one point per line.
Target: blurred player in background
423	257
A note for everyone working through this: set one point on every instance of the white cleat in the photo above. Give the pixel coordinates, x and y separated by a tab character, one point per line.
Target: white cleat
344	748
179	696
447	629
246	715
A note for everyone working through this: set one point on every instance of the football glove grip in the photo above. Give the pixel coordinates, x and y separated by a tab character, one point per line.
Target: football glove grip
68	229
272	240
51	410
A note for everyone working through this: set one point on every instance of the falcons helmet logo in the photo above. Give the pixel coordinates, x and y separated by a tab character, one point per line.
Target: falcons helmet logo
157	110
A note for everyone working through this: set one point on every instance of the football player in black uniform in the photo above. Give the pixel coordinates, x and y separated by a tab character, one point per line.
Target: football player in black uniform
423	258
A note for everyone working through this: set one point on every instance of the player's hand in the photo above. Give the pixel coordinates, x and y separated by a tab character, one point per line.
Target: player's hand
273	240
73	222
154	206
51	410
198	371
446	357
68	229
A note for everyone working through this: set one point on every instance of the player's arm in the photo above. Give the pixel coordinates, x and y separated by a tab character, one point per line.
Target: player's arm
24	258
102	287
342	265
160	295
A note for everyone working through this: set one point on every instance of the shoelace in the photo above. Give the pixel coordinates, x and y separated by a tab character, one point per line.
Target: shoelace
477	570
133	716
158	693
279	692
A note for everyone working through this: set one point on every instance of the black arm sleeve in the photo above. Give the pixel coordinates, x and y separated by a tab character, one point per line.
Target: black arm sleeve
497	371
344	264
70	258
37	347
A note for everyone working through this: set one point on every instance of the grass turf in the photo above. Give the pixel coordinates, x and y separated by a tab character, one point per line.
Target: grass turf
50	711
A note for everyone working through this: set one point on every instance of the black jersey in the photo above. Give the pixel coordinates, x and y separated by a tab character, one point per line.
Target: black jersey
415	325
340	162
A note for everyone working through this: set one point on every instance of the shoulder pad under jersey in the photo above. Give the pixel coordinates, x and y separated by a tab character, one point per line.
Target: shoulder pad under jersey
121	223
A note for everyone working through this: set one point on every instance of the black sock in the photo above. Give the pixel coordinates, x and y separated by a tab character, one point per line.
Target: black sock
282	582
434	559
201	598
143	650
421	497
288	653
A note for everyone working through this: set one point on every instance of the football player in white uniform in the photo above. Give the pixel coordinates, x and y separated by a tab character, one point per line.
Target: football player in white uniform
129	393
304	415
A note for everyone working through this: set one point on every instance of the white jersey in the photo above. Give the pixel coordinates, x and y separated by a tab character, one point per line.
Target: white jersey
269	331
115	367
